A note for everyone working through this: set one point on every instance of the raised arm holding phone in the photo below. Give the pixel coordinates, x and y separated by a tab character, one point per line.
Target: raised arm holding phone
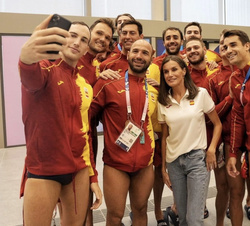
55	102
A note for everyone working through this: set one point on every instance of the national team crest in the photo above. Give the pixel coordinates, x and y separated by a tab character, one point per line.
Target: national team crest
152	97
86	91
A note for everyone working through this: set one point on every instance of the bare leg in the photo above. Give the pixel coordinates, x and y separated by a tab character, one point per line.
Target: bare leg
237	191
40	198
158	189
248	183
248	192
222	197
174	208
115	185
74	205
89	217
139	191
247	205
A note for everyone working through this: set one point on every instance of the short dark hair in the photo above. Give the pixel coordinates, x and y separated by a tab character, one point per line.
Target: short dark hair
172	28
135	22
193	24
222	35
243	37
224	31
163	97
81	23
124	14
195	39
106	21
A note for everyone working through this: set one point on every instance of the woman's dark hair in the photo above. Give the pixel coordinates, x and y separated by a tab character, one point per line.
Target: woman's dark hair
163	97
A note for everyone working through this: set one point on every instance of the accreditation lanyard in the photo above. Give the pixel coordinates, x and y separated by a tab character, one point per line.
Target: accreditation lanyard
244	86
119	47
129	110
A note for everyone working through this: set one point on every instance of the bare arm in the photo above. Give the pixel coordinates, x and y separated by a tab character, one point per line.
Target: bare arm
211	158
231	167
165	175
98	194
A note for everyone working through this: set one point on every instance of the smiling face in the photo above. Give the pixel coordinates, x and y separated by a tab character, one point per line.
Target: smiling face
192	32
101	36
140	57
129	34
222	52
236	52
195	52
172	42
120	20
77	43
173	74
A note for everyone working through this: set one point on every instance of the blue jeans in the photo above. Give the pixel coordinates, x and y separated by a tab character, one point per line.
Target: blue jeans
190	178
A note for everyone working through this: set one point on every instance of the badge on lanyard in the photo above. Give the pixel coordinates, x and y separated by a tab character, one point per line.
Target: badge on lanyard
129	135
142	138
132	131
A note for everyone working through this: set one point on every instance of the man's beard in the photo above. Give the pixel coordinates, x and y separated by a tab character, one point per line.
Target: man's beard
176	52
136	70
96	50
197	62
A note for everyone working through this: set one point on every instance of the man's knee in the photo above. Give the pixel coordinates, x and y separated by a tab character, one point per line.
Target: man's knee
115	216
222	187
236	195
139	209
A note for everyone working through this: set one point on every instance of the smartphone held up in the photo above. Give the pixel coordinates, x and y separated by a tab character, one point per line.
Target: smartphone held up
61	22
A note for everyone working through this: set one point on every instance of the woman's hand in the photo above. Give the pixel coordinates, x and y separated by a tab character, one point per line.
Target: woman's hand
211	160
166	180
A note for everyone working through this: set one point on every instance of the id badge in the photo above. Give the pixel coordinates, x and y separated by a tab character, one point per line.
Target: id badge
128	136
142	138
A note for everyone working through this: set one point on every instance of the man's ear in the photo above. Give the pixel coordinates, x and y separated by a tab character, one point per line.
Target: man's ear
247	45
153	52
205	49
